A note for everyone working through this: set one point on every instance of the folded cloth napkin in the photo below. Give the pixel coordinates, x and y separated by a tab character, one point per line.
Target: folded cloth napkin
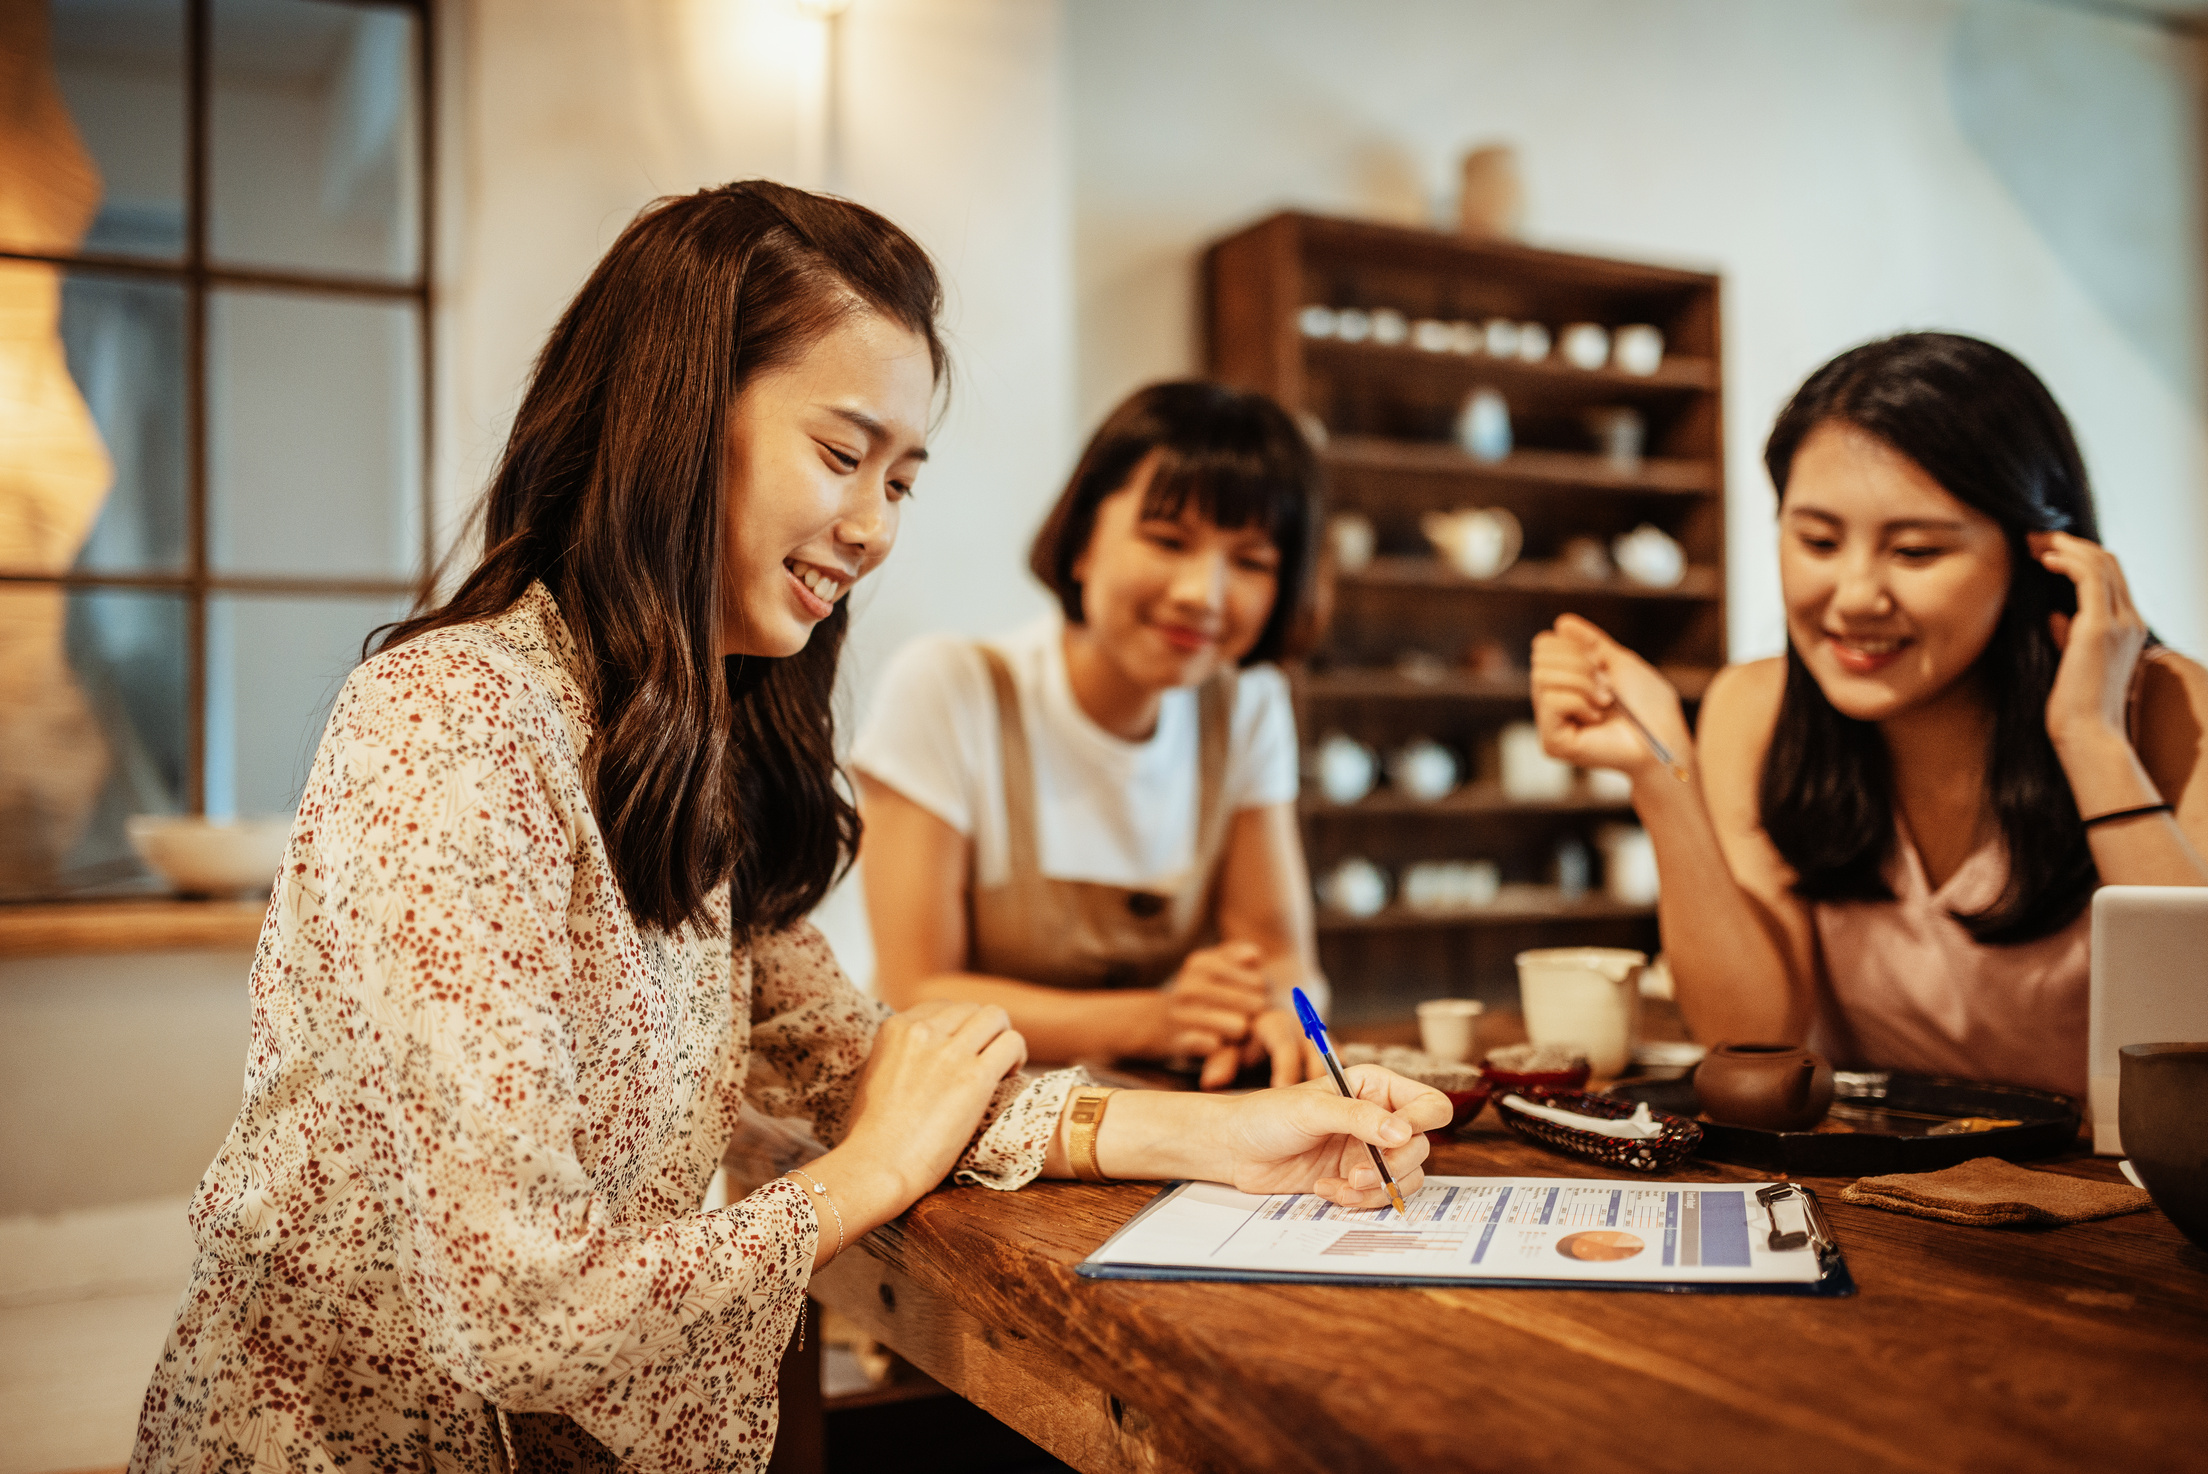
1991	1192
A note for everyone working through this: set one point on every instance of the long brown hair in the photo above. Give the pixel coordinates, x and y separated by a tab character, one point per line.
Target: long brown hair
1985	428
609	491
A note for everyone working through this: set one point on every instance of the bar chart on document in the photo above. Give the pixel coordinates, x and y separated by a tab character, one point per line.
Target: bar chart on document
1474	1227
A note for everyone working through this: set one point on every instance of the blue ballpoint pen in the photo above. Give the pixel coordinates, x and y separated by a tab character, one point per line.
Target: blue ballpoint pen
1316	1032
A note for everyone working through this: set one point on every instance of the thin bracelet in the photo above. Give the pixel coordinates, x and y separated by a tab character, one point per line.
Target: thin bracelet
823	1193
2142	810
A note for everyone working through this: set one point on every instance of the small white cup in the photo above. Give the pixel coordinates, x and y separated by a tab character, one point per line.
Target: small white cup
1432	335
1353	538
1389	326
1347	769
1316	321
1423	769
1651	557
1353	324
1483	425
1448	1027
1356	887
1637	348
1500	337
1479	542
1584	998
1533	342
1628	864
1585	345
1528	771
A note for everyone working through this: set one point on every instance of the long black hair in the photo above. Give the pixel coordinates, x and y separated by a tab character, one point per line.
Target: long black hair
1985	428
609	491
1232	452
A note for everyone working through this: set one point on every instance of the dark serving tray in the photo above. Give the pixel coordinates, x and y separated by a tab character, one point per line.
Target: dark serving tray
1883	1141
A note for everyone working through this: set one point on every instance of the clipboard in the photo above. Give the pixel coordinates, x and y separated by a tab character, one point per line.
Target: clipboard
1786	1214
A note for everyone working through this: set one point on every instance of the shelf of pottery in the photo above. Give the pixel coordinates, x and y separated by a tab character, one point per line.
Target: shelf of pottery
1509	434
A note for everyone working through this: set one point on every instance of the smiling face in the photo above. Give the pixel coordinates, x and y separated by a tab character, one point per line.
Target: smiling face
1892	586
819	456
1172	601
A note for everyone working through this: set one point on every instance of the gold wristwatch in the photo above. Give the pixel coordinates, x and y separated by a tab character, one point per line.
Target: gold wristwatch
1089	1102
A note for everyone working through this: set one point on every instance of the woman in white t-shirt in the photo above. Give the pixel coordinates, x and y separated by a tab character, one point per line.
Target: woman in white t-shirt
1091	821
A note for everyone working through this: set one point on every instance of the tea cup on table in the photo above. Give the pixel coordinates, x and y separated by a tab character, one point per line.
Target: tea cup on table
1585	998
1447	1027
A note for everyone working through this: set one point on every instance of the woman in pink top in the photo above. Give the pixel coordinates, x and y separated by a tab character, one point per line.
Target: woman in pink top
1887	837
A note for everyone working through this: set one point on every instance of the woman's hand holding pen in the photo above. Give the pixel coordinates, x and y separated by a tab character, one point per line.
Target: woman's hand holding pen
1580	677
1304	1138
1311	1138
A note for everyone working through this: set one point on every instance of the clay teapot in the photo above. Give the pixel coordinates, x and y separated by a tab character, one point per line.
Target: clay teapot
1773	1087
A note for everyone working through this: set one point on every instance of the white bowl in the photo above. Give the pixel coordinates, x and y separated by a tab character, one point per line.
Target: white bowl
211	857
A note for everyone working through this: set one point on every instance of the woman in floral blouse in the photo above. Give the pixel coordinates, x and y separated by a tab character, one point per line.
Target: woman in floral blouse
539	934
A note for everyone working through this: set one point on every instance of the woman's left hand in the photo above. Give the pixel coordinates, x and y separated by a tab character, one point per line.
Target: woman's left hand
2100	643
1311	1138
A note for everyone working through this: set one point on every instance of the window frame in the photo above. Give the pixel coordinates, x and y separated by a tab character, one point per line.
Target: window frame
199	276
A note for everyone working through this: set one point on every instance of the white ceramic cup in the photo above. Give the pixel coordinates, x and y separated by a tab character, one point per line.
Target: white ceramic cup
1483	425
1432	335
1448	1027
1637	348
1356	887
1347	769
1389	326
1650	556
1586	999
1353	324
1585	345
1533	342
1479	542
1423	769
1316	321
1500	337
1353	538
1628	864
1528	772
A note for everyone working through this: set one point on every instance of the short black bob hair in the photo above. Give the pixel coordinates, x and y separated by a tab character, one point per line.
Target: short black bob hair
1237	456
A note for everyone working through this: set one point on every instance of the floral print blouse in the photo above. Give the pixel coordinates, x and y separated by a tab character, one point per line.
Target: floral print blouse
456	1224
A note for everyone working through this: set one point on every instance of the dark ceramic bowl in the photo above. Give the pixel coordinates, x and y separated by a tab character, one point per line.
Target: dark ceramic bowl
1464	1108
1501	1081
2163	1112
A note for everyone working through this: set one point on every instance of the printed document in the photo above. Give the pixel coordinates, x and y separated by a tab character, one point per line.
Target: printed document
1502	1228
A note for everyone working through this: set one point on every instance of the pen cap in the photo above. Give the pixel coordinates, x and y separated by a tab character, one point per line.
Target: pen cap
1309	1018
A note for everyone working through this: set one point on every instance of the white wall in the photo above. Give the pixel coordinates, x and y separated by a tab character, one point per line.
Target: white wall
952	127
2017	170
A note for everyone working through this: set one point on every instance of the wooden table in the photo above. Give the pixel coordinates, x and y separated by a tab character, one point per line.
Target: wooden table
1967	1348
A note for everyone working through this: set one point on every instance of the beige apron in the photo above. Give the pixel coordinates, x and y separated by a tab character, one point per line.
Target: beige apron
1084	934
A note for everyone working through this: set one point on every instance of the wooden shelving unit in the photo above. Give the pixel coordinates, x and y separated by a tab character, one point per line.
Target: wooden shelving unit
1395	661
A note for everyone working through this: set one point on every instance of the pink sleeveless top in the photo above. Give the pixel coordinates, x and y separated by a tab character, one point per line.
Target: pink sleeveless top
1907	988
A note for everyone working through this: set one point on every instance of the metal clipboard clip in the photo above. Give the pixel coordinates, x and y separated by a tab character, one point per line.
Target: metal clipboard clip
1813	1231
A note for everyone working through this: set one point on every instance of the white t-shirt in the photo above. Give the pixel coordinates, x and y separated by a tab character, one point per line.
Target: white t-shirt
1108	810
